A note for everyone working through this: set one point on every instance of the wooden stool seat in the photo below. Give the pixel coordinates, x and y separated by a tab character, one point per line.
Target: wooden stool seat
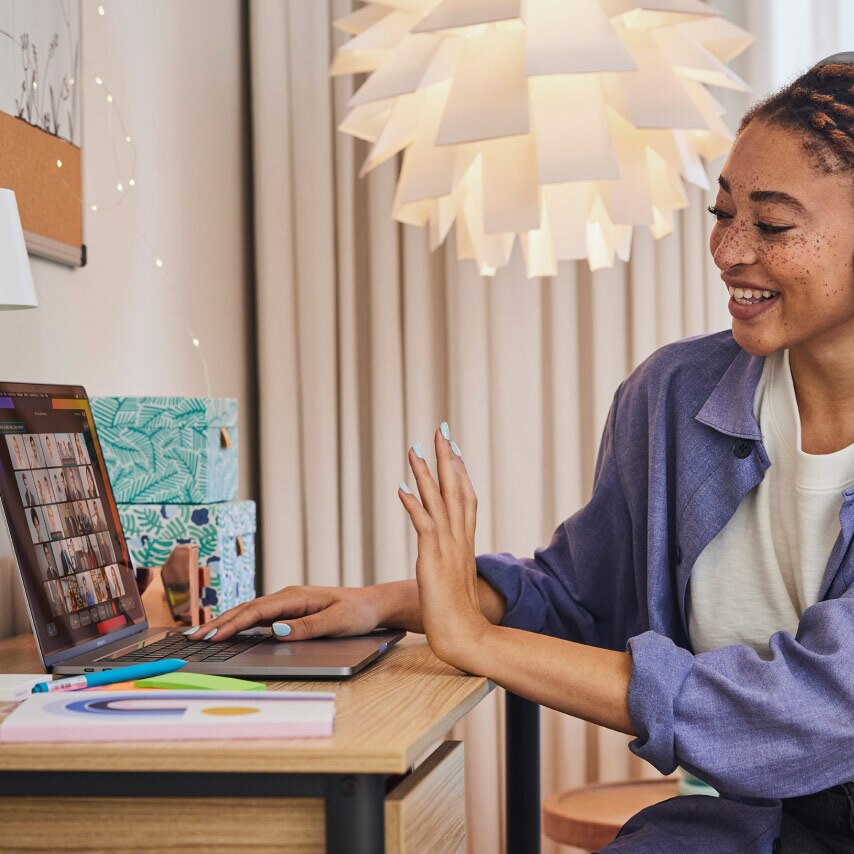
591	817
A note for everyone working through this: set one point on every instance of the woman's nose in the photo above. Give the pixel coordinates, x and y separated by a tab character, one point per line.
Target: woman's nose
733	245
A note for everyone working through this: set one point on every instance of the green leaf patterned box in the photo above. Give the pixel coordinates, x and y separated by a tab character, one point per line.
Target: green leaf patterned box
225	534
175	450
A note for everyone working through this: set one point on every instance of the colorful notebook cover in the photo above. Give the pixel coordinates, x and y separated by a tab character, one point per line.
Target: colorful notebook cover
164	715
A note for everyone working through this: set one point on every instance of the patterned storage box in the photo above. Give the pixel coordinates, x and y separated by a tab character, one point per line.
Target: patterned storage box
176	450
224	532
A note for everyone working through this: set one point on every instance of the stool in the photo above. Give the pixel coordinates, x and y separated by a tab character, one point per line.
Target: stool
591	816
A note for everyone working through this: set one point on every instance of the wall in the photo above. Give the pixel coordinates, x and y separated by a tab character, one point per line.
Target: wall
114	326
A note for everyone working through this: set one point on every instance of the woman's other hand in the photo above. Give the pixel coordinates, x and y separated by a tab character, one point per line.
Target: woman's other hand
299	613
444	520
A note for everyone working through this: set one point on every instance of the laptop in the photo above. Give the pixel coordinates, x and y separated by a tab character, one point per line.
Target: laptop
78	581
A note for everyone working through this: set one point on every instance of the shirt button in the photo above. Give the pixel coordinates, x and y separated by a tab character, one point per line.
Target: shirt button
742	448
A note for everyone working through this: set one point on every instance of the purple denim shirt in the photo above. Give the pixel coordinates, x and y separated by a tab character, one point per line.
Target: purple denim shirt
680	450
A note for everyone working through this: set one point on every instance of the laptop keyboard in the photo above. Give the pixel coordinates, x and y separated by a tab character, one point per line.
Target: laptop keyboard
177	646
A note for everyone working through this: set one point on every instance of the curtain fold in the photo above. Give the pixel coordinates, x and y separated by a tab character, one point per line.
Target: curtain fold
367	340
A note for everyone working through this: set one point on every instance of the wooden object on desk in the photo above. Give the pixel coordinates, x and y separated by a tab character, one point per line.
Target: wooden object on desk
182	570
591	816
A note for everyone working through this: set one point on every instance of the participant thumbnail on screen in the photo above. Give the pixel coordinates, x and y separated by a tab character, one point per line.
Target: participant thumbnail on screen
96	515
81	451
57	477
105	547
38	526
27	488
54	598
47	561
65	448
71	594
114	579
54	521
17	451
73	484
51	451
34	451
89	486
63	557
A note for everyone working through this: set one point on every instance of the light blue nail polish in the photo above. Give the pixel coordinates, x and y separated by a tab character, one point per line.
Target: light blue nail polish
419	451
210	634
405	488
445	430
281	630
190	631
456	449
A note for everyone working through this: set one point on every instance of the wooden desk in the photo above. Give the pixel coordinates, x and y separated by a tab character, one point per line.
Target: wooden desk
355	792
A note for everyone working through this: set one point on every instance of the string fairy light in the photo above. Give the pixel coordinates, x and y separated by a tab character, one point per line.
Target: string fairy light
96	206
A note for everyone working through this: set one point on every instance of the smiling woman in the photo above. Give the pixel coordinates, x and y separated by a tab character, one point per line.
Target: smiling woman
703	600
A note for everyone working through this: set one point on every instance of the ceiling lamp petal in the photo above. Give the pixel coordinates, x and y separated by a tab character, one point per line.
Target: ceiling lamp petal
457	14
567	38
488	99
565	123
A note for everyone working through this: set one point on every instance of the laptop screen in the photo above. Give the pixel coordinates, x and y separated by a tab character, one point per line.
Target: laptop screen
62	517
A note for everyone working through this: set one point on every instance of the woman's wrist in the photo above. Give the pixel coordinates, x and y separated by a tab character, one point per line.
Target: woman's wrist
398	605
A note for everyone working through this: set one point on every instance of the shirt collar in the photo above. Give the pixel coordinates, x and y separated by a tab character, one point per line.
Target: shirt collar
729	408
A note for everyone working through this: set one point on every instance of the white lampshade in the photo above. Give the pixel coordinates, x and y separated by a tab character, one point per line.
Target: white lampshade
565	123
16	279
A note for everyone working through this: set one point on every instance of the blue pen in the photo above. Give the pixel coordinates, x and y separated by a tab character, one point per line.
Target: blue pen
109	677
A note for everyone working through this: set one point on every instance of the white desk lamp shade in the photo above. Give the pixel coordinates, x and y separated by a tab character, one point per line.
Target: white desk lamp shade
16	279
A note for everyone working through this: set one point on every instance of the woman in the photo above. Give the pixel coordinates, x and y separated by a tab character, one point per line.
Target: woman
703	601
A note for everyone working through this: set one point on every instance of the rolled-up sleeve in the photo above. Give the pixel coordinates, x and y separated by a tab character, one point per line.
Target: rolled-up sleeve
752	727
573	587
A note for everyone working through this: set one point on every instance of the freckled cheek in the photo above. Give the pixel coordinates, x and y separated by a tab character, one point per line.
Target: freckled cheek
714	240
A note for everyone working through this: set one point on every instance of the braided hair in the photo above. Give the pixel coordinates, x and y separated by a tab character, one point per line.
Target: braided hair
818	105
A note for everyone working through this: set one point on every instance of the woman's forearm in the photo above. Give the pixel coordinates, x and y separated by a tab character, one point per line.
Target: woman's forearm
400	607
579	680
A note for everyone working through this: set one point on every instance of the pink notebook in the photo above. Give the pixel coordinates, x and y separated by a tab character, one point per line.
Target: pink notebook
164	715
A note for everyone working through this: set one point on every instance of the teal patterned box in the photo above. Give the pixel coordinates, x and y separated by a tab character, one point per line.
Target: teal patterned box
225	534
175	450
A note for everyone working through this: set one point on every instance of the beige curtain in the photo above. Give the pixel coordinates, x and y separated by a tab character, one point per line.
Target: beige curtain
367	341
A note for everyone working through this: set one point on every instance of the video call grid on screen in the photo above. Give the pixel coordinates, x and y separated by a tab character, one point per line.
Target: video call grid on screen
57	505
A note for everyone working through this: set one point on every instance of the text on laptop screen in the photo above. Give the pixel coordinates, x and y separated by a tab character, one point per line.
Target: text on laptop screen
62	517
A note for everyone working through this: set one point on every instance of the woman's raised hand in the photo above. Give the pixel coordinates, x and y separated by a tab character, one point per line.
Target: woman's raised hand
444	520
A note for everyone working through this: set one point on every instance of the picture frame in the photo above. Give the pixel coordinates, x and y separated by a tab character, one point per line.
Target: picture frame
41	123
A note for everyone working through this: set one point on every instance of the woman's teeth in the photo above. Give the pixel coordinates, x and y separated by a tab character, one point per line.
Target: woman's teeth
745	296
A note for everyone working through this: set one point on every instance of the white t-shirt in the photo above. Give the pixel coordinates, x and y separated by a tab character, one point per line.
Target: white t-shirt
766	566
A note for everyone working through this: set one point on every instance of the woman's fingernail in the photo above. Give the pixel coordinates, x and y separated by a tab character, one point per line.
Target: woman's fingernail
190	631
405	488
445	430
418	450
281	630
210	634
456	449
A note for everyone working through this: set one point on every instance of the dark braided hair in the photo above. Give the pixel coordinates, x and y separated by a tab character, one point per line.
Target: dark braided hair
818	105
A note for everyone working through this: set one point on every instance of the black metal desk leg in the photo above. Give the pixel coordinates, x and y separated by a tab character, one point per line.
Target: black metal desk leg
522	766
355	814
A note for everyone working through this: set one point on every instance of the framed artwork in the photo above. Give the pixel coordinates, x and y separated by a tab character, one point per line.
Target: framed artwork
40	123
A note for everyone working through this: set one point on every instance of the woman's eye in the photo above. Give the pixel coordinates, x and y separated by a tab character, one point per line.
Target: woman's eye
764	227
772	229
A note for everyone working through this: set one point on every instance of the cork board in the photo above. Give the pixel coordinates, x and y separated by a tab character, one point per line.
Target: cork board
40	120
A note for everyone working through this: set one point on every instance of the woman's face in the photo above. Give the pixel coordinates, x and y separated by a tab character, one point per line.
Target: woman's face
808	267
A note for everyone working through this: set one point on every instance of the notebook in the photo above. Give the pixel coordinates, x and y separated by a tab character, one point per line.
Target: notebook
159	715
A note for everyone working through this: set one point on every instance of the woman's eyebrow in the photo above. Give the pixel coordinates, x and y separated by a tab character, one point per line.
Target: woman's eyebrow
769	196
